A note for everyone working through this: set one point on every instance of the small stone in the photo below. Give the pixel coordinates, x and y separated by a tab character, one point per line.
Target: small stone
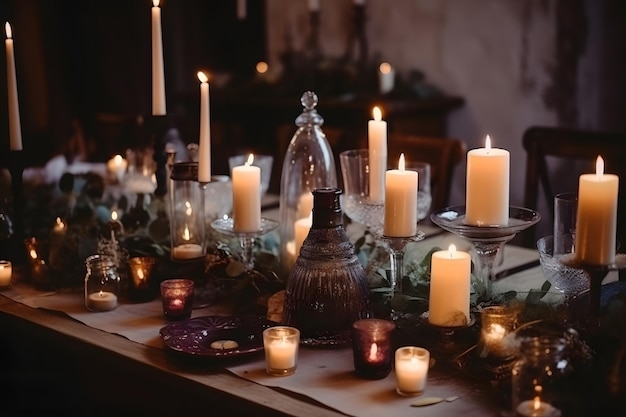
224	344
422	402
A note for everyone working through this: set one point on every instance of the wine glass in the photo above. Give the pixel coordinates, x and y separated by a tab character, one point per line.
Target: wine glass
424	196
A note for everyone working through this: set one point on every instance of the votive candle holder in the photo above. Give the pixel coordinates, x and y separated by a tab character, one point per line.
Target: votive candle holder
411	369
281	350
177	298
371	346
6	273
140	286
497	326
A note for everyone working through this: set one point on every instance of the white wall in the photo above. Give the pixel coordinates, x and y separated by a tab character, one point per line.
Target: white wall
496	54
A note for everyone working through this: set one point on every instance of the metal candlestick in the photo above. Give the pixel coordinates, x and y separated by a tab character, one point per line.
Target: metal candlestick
488	241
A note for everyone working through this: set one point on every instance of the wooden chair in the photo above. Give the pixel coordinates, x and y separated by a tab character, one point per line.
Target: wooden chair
443	154
574	152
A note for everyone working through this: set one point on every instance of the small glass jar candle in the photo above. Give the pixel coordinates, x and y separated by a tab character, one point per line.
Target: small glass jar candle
411	368
140	286
187	225
6	271
371	345
177	298
281	350
496	334
102	283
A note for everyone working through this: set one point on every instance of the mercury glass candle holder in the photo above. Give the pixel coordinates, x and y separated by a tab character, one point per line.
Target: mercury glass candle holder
177	298
140	287
497	337
372	349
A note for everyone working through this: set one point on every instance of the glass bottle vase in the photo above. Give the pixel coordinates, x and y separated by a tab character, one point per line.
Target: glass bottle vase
327	289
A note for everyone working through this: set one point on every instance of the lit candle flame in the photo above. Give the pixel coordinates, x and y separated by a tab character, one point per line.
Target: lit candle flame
33	253
140	274
202	77
250	160
373	352
599	167
385	68
537	399
186	235
401	162
60	224
101	294
188	209
155	3
7	29
452	250
114	215
488	143
378	115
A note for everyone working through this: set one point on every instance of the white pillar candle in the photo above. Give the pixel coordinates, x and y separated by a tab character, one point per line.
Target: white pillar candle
281	354
6	270
246	197
281	350
15	128
596	217
400	201
101	301
449	299
487	186
301	231
241	9
386	77
377	155
204	151
187	251
158	75
305	204
411	369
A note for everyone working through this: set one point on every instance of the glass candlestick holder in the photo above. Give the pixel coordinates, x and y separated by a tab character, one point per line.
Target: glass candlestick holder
246	239
396	245
487	241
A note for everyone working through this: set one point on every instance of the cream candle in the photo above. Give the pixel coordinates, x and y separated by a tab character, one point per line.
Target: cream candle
411	369
116	167
305	204
487	186
377	148
15	128
101	301
400	201
596	217
281	350
158	74
6	271
204	152
449	299
59	227
537	408
246	197
386	77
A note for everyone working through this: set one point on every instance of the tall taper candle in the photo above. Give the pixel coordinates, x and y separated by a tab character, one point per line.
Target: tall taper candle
15	128
487	186
596	217
158	75
204	152
377	146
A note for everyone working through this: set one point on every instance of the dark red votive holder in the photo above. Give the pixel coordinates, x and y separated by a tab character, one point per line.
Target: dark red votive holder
177	298
371	345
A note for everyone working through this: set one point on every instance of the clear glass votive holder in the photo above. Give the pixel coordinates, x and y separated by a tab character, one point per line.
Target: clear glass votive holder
102	283
497	339
177	298
411	369
140	287
6	273
281	350
371	346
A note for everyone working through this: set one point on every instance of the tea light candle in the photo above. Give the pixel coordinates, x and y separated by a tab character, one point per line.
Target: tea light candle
246	197
204	150
377	156
449	288
596	218
487	186
400	201
101	301
411	368
116	167
497	322
537	408
15	128
281	349
59	228
187	251
6	271
158	75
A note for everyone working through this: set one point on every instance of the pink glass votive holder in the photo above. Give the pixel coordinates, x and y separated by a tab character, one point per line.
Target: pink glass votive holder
371	346
177	298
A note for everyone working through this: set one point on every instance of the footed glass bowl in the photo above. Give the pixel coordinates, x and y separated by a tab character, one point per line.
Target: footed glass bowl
570	281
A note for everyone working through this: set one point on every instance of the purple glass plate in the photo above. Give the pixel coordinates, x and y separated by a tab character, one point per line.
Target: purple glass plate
195	336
